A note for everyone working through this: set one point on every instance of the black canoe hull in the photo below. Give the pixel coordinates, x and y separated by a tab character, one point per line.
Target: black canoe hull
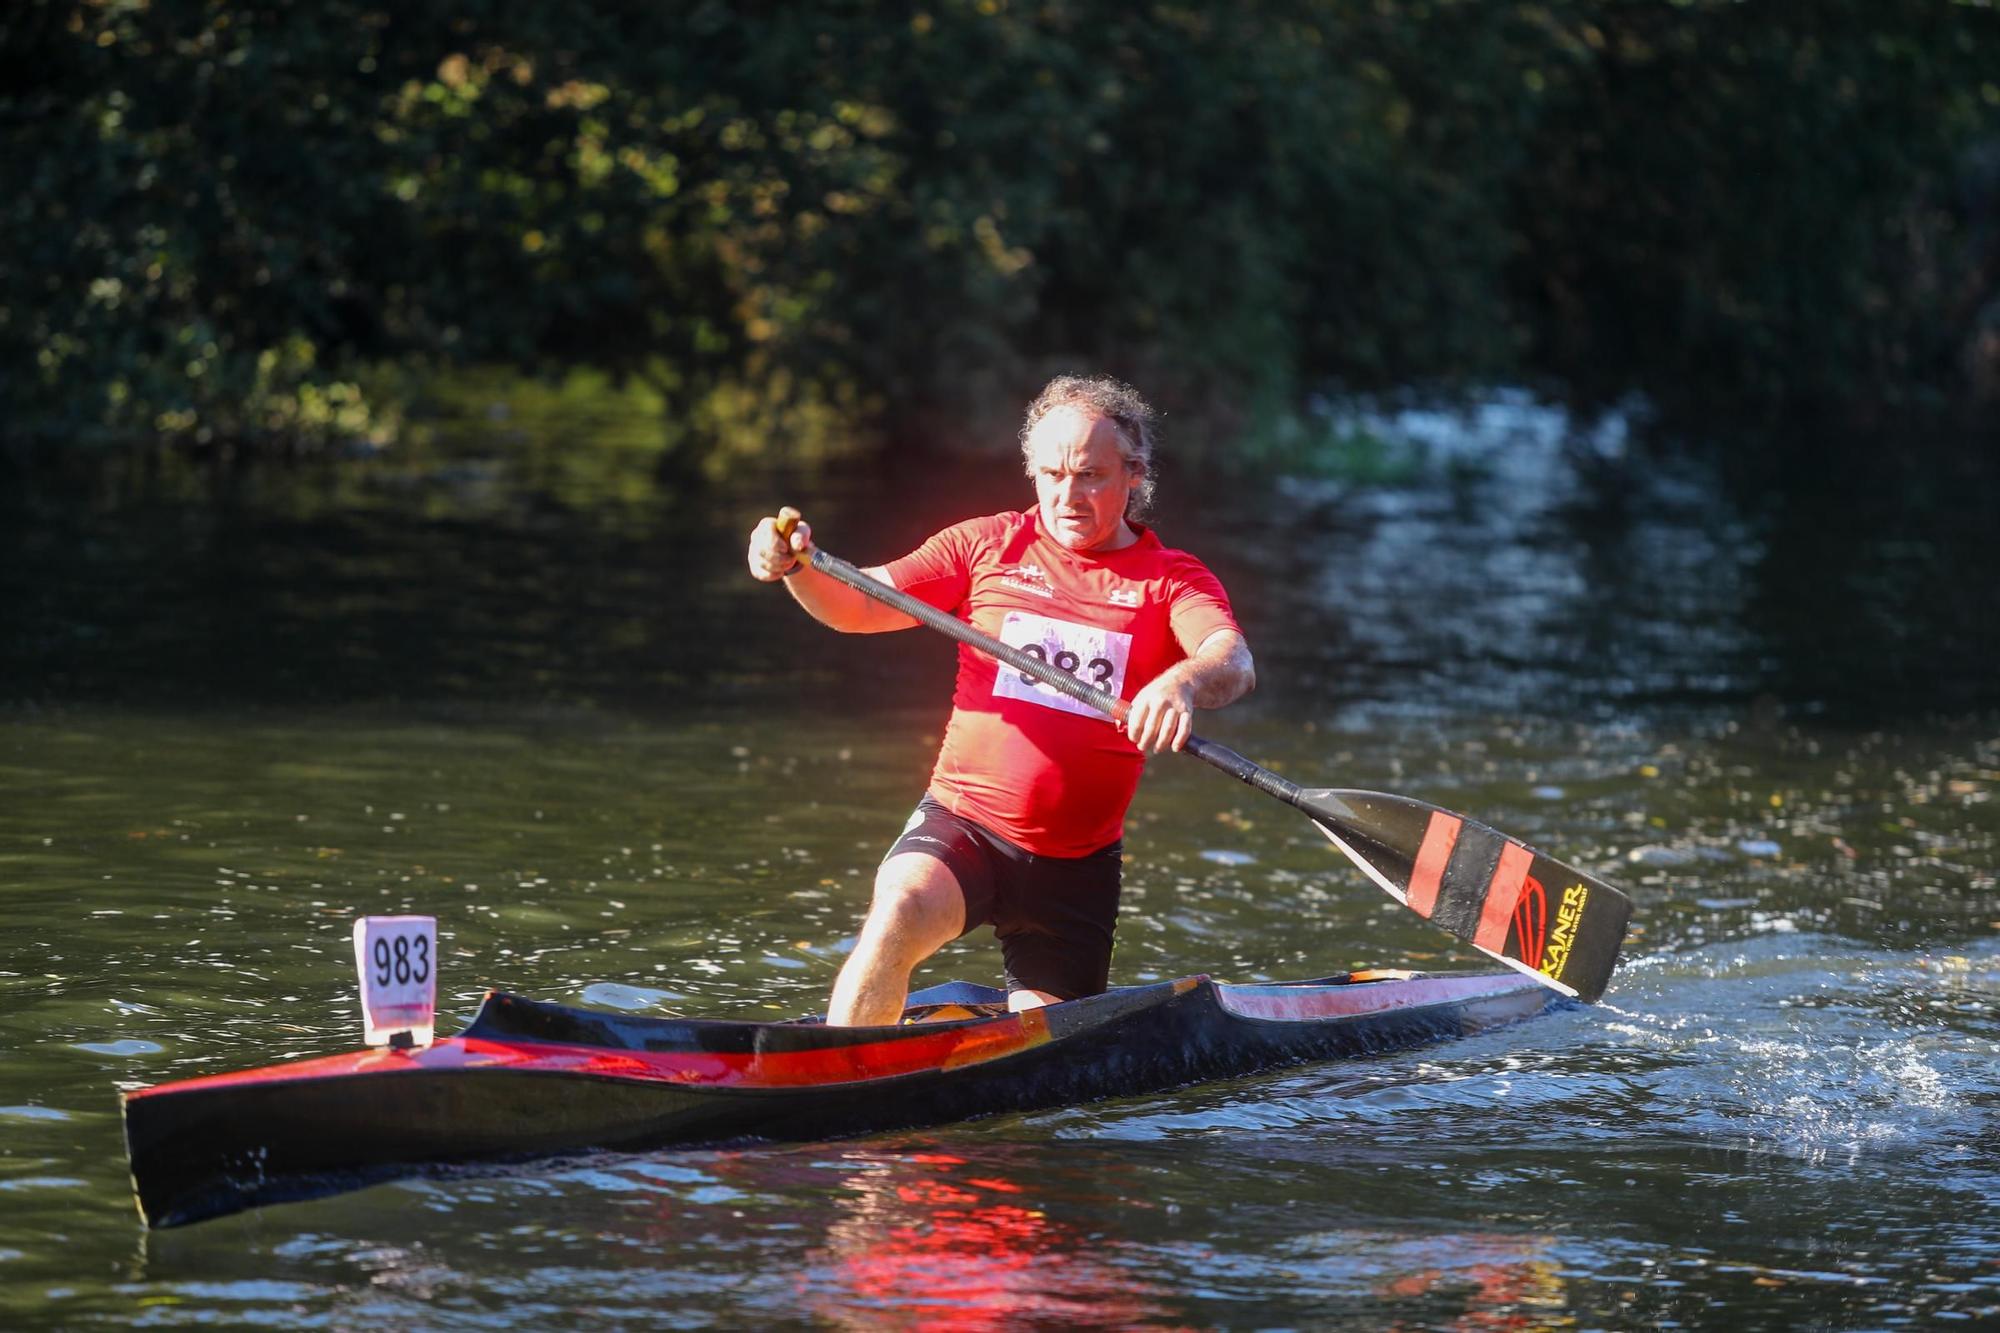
528	1080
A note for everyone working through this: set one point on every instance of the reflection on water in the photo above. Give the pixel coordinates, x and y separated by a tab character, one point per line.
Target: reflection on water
931	1239
620	776
1544	567
1531	561
1581	567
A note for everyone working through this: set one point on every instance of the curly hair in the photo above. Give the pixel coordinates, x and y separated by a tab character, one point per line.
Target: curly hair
1115	401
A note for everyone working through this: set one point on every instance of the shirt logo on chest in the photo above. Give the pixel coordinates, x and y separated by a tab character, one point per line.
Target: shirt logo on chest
1028	578
1124	597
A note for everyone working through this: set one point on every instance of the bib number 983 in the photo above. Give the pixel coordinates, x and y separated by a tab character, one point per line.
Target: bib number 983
1095	656
396	959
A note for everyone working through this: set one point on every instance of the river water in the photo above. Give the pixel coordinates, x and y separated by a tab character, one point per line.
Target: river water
558	718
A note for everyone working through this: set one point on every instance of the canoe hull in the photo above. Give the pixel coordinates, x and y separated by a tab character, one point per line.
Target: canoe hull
529	1080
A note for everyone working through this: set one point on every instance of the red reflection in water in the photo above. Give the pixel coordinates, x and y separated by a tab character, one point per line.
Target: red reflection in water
924	1242
1507	1282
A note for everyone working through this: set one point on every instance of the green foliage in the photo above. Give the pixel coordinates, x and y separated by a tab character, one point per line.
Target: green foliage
785	223
1780	205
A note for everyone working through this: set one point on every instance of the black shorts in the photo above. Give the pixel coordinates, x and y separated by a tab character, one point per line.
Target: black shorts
1053	915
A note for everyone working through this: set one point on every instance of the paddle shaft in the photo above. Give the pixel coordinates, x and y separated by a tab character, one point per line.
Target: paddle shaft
1221	756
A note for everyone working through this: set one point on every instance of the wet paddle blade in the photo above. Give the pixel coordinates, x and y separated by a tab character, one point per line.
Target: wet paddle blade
1532	912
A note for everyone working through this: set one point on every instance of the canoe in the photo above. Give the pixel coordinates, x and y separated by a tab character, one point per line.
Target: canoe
528	1078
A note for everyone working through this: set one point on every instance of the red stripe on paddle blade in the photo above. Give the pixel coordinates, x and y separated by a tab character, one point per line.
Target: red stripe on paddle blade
1440	836
1531	921
1502	895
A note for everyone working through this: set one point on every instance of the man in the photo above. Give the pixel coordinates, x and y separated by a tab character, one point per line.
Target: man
1023	825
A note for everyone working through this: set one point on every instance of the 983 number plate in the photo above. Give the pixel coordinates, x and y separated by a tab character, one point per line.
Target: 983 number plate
396	960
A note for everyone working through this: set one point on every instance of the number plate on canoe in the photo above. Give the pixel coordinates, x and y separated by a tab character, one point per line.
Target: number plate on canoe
396	957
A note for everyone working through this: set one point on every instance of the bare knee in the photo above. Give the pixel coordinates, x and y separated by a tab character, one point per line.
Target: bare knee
917	907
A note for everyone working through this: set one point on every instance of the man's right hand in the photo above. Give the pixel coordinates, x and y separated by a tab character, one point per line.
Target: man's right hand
829	601
771	556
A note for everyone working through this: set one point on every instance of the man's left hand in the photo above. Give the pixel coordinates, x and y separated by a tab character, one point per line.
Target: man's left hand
1162	715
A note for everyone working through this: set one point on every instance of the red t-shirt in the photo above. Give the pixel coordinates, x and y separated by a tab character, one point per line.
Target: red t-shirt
1043	771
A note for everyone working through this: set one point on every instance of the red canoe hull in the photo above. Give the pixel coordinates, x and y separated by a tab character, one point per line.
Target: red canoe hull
528	1079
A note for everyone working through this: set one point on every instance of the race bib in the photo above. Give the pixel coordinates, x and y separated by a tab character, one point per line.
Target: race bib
1095	656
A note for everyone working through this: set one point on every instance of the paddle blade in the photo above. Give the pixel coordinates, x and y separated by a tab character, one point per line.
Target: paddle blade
1550	920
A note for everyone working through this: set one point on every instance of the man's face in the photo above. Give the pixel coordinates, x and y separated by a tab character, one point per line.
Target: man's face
1081	479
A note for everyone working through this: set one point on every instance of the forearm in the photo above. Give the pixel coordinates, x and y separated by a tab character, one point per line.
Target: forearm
1219	673
837	606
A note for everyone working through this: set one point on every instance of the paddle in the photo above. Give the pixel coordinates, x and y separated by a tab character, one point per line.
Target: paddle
1556	923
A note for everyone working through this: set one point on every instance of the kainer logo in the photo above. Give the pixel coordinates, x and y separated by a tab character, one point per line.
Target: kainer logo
1569	915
